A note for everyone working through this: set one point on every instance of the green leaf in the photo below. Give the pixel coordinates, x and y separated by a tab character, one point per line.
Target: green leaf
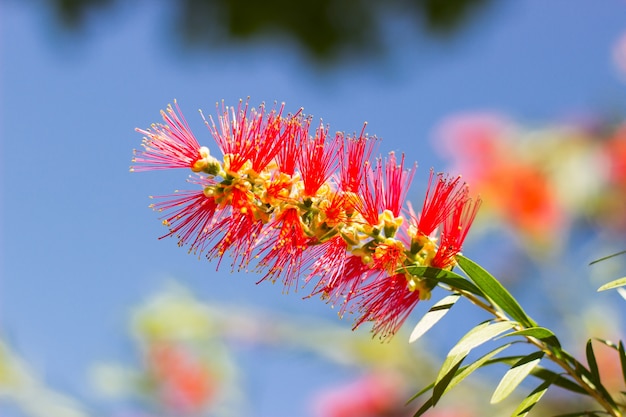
536	332
613	284
475	337
479	363
589	376
479	335
443	276
540	333
433	315
593	364
425	407
514	376
459	375
546	375
533	398
607	257
443	381
492	288
622	359
622	355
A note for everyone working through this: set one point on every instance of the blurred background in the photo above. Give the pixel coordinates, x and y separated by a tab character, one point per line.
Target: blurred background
100	318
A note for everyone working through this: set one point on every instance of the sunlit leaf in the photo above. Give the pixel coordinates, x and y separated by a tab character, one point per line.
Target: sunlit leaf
443	380
475	337
514	376
479	335
459	375
540	333
495	291
613	284
433	315
533	398
546	375
465	371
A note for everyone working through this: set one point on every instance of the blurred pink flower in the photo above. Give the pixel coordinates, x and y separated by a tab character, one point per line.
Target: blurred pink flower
619	55
374	395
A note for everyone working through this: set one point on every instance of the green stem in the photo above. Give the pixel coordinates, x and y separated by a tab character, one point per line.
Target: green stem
549	351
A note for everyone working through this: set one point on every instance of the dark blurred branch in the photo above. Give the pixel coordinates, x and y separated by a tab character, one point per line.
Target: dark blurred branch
323	28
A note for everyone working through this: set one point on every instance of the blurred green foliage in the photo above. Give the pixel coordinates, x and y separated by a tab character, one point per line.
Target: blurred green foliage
324	29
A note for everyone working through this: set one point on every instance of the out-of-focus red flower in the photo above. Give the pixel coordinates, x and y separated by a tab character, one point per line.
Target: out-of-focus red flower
184	384
514	187
615	153
376	395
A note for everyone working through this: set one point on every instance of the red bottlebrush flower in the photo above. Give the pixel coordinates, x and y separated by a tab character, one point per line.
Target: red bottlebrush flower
388	255
169	145
243	137
317	159
385	189
240	230
330	266
284	252
346	284
293	135
387	302
191	216
455	229
355	154
440	202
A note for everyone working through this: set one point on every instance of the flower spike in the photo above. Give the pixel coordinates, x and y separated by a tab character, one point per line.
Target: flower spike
301	202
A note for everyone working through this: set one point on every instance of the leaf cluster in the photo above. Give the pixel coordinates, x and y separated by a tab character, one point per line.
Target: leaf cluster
510	325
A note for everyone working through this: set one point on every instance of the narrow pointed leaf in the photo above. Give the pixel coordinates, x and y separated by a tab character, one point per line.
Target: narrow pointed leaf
607	257
622	359
479	335
495	291
545	374
514	376
443	381
540	333
475	337
433	315
466	371
613	284
593	364
558	380
425	407
420	392
533	398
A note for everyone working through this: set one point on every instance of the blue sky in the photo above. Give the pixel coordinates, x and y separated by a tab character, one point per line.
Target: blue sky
79	245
